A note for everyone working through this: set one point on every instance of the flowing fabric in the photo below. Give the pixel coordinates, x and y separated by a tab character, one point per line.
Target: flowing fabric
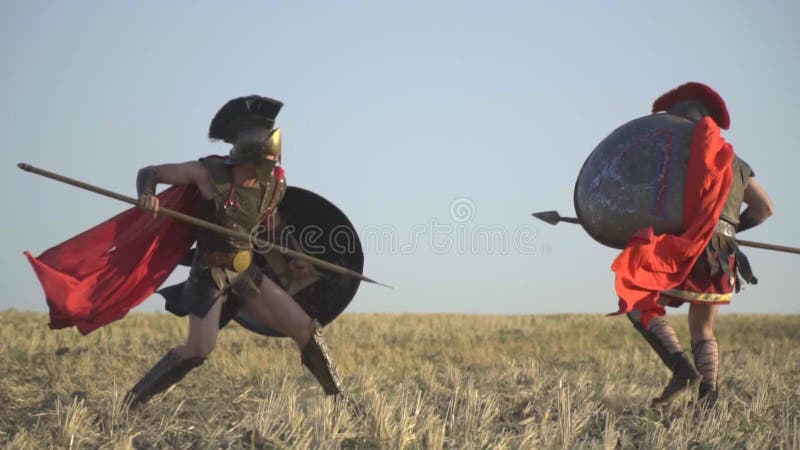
650	264
99	275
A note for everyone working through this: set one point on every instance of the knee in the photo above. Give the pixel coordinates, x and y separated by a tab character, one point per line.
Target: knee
302	331
199	348
206	348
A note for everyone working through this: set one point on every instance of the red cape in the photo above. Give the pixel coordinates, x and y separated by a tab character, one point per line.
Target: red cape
97	276
650	264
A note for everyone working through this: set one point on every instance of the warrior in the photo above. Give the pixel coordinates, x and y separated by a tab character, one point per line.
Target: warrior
720	267
241	192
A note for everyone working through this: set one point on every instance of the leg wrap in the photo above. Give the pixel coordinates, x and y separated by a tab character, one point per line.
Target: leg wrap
706	357
315	356
168	371
664	341
684	376
661	337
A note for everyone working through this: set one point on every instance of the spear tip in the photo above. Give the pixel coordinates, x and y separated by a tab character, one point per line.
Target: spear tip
551	217
24	166
370	280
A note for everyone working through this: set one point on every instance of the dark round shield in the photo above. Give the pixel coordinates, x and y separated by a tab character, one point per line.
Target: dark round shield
320	230
635	179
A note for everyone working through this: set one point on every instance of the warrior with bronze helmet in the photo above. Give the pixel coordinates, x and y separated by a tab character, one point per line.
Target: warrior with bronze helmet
668	190
240	192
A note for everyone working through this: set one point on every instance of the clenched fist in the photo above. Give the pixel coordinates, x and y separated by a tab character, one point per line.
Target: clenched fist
148	202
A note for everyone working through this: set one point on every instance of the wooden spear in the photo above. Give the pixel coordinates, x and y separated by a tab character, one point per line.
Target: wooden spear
204	224
553	217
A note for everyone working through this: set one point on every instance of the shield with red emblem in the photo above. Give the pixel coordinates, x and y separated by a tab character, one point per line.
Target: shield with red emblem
635	179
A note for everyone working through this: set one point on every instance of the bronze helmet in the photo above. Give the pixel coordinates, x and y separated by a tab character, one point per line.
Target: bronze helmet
248	123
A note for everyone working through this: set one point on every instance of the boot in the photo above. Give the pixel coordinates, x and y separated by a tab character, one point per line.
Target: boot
684	376
706	357
168	371
708	395
314	355
664	342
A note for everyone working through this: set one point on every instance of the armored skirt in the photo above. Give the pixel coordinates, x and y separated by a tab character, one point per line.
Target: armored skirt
715	276
701	288
206	285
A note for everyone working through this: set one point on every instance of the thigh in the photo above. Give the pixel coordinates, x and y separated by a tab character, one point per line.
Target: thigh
702	313
275	308
665	300
701	320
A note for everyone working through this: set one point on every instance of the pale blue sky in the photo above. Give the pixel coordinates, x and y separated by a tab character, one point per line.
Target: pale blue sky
393	111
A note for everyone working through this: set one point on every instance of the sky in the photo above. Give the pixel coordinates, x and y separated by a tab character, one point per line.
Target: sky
430	124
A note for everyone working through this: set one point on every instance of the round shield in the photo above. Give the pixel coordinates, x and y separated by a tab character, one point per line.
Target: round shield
635	179
318	228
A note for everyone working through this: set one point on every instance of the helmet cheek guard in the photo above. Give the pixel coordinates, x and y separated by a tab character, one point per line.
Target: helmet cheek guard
254	144
273	144
264	170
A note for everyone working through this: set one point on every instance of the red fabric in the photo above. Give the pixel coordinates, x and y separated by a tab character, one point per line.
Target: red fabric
699	282
650	264
88	285
697	92
97	276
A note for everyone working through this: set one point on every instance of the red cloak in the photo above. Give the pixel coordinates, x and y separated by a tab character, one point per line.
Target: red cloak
99	275
650	264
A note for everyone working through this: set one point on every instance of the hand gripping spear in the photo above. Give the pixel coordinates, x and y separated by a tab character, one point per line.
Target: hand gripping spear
553	217
204	224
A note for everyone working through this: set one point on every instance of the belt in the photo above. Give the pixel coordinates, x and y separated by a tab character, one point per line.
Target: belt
726	228
238	261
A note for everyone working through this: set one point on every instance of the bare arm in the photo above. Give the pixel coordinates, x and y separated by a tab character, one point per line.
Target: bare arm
192	172
759	206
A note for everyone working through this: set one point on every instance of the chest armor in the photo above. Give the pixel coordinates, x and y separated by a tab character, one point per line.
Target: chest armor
733	204
238	208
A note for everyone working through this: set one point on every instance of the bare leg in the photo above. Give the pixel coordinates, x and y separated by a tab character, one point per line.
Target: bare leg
279	311
705	349
202	334
275	308
701	322
180	361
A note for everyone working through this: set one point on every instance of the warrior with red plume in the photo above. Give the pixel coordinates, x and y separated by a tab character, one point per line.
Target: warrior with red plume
719	267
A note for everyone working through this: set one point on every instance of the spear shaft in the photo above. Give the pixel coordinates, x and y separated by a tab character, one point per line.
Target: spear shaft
204	224
553	217
766	246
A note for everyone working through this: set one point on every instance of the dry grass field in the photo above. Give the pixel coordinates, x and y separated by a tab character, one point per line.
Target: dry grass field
423	381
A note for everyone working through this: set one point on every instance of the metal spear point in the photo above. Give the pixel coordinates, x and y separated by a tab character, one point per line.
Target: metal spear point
553	217
204	224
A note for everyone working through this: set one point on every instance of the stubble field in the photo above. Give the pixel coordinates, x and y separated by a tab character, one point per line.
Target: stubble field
422	381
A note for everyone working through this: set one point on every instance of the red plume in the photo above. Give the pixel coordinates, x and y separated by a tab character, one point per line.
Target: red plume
698	92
